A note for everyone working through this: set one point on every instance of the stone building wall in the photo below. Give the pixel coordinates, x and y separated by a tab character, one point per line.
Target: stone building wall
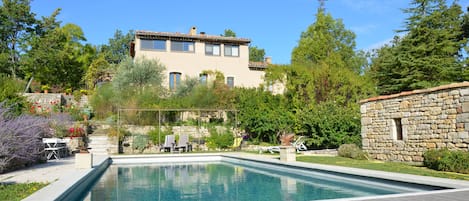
429	118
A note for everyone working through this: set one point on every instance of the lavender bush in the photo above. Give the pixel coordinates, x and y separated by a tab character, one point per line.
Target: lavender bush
21	139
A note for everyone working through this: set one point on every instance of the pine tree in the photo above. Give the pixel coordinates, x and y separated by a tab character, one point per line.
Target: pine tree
430	52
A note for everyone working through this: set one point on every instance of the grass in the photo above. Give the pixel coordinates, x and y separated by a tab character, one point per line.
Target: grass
383	166
19	191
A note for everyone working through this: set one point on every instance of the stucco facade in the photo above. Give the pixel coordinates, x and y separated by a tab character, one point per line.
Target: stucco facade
199	53
401	127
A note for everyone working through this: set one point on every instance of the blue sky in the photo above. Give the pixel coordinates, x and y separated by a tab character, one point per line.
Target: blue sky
274	25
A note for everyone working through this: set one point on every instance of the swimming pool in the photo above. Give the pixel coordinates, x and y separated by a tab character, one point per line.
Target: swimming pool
233	179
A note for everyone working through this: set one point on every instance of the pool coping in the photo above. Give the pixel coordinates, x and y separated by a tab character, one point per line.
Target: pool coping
70	186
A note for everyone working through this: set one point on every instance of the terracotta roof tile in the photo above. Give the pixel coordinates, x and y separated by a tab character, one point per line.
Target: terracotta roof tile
418	91
201	37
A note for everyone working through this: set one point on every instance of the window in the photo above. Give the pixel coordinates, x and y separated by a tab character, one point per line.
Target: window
232	50
397	129
203	78
230	82
182	46
153	45
212	49
174	80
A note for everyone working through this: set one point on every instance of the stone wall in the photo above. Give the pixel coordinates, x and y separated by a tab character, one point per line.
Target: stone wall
430	118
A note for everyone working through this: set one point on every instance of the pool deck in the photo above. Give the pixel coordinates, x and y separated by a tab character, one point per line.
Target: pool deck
62	174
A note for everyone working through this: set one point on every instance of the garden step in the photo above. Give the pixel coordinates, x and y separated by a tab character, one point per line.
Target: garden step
99	144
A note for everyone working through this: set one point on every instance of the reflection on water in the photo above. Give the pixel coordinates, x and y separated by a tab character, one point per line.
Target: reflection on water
212	181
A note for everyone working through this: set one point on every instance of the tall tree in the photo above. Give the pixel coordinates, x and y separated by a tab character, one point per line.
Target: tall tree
256	54
118	47
327	41
16	26
324	83
58	58
430	53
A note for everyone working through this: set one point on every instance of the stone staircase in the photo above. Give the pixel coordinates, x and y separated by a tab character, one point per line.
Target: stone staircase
84	102
100	144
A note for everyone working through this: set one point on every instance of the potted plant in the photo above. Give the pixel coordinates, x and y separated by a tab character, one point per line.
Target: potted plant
287	151
45	88
68	91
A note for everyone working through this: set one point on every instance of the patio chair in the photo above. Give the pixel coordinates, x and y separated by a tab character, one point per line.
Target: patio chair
183	143
168	143
298	144
237	143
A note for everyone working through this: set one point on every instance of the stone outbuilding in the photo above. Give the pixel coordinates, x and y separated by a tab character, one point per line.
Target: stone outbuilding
401	127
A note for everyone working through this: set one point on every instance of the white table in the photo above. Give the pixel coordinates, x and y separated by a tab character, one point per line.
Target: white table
55	148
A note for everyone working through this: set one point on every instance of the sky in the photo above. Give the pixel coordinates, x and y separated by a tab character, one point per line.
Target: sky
274	25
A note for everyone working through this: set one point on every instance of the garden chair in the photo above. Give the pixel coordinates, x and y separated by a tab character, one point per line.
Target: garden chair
298	144
169	142
183	143
237	143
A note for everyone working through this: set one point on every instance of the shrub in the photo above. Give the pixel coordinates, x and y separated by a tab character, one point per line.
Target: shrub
220	140
351	151
158	136
21	139
9	94
140	142
446	160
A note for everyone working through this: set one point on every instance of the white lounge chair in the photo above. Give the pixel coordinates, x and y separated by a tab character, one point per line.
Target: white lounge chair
298	144
183	143
169	142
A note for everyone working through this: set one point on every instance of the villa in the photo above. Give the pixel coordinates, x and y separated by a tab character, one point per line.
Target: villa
199	55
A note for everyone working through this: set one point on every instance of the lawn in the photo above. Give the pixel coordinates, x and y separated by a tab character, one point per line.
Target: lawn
383	166
19	191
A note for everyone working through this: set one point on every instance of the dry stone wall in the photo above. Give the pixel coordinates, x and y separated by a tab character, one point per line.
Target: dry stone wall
430	118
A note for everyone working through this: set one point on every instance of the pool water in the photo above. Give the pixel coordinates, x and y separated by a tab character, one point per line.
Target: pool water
229	181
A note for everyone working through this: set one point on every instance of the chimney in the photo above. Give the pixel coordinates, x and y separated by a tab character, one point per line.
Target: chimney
268	60
202	33
193	31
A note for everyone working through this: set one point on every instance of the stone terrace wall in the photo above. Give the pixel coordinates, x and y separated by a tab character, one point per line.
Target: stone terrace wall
431	118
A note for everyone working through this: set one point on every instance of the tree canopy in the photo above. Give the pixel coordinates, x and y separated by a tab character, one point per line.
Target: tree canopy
430	52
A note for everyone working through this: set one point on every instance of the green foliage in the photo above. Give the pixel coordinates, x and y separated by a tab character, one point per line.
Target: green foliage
326	41
262	114
158	136
330	125
103	101
119	133
138	74
219	138
229	33
96	72
351	151
430	54
19	191
446	160
17	25
9	93
118	47
58	58
140	142
256	54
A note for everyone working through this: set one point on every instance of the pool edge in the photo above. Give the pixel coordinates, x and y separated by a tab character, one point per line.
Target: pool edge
69	187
